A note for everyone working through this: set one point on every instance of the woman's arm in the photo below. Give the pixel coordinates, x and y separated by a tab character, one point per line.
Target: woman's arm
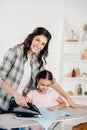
5	67
65	95
20	100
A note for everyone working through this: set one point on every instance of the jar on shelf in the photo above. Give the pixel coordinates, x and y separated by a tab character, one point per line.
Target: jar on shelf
84	38
73	73
84	54
77	72
79	89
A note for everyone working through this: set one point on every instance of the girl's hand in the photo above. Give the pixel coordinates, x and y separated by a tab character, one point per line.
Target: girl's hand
52	108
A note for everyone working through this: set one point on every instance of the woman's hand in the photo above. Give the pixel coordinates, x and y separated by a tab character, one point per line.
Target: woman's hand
72	104
76	105
21	100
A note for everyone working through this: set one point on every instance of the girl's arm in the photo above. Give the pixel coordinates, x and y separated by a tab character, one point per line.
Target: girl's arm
61	104
65	95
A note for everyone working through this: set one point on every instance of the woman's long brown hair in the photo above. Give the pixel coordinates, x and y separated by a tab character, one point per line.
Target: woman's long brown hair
28	41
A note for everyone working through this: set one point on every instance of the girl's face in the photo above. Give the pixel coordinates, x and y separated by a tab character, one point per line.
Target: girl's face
43	85
38	43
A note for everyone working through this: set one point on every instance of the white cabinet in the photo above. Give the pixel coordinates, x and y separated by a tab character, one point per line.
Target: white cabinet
72	59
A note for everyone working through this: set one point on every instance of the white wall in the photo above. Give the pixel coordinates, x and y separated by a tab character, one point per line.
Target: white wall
18	18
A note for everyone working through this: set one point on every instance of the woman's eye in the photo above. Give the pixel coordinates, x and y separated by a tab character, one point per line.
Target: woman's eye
43	44
37	39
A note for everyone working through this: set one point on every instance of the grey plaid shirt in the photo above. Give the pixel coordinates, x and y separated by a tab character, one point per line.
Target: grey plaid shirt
11	71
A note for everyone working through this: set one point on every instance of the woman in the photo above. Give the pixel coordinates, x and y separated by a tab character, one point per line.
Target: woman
20	66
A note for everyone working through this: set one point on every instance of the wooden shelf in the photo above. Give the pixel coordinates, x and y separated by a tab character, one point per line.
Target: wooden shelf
79	96
71	58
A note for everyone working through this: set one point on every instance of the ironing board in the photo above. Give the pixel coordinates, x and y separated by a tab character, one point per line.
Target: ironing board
66	123
8	121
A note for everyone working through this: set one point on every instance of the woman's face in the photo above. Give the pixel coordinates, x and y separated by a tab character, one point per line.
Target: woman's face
43	85
38	43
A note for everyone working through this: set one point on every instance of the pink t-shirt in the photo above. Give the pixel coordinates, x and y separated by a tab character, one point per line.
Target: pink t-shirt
43	100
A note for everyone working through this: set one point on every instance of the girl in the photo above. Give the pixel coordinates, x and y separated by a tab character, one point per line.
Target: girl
43	96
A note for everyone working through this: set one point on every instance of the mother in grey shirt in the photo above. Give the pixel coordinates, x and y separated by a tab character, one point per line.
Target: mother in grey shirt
35	47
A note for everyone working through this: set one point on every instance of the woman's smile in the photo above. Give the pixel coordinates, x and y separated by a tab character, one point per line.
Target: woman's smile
38	43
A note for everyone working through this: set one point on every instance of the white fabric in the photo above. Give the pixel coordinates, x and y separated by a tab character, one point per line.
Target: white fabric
26	76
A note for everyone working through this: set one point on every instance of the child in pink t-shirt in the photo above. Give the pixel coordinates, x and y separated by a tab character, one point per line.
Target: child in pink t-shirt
44	96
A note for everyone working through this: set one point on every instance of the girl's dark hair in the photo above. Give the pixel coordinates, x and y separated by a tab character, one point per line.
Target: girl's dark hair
45	74
28	41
